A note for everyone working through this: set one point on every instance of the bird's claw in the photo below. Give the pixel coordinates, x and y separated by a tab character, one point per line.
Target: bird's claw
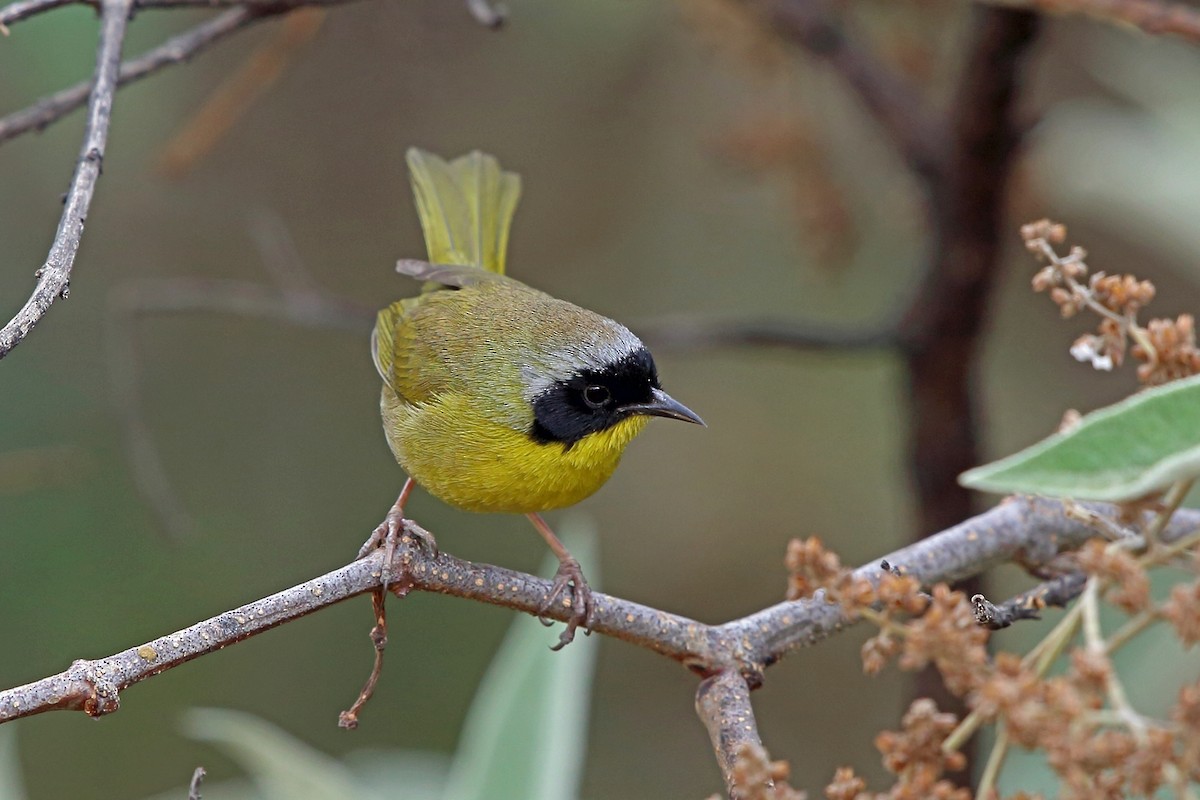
581	601
393	530
420	537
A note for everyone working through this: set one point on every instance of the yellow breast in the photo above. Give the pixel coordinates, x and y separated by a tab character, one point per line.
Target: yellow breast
468	460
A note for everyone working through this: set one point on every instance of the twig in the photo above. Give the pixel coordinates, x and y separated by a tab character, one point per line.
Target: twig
24	9
723	704
488	14
1171	502
896	106
54	278
1040	658
175	50
1094	641
1027	605
194	786
348	719
1151	16
1032	530
1135	625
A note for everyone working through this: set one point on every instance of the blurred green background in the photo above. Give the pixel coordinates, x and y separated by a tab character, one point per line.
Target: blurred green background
628	122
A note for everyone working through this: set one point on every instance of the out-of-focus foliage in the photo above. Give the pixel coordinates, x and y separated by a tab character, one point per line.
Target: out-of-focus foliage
1127	159
526	733
10	767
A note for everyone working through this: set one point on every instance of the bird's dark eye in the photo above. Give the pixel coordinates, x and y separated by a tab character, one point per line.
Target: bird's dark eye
596	396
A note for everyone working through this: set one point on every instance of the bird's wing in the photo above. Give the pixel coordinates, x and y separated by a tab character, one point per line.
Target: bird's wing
390	345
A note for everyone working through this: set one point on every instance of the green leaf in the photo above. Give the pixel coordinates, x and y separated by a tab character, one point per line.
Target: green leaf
284	768
526	730
1126	451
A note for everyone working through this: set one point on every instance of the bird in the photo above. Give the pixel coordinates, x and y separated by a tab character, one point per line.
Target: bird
498	397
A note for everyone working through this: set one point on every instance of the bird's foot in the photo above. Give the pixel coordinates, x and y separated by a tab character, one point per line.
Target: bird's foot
392	531
571	590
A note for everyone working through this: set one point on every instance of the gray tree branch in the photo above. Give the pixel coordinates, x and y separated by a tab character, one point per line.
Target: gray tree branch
723	705
730	656
54	278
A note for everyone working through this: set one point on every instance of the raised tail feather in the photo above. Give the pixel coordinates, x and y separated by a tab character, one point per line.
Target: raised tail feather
466	207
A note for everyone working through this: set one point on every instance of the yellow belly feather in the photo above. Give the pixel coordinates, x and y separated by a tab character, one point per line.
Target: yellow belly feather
464	458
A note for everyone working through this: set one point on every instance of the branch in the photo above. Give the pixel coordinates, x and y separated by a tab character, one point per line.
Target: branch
1029	604
175	50
194	787
1151	16
94	686
894	103
24	9
1028	530
723	704
54	278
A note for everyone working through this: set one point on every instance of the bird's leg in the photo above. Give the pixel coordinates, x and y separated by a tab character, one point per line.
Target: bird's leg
388	533
569	574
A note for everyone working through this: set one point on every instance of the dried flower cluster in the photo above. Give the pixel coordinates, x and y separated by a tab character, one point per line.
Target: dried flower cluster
915	755
759	778
1080	719
1166	348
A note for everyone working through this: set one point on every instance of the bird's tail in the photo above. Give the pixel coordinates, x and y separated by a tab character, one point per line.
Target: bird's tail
466	206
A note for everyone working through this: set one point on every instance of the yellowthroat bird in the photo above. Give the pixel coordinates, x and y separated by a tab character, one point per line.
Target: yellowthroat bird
498	397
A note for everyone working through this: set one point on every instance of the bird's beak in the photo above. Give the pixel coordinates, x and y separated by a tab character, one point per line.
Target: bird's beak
663	405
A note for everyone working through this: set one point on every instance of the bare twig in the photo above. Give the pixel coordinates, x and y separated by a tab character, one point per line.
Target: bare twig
24	9
1030	530
175	50
1029	604
54	278
723	704
194	786
348	719
895	104
1151	16
488	14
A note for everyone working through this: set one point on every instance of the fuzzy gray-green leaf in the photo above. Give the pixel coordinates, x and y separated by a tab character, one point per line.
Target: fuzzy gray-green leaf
1119	453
